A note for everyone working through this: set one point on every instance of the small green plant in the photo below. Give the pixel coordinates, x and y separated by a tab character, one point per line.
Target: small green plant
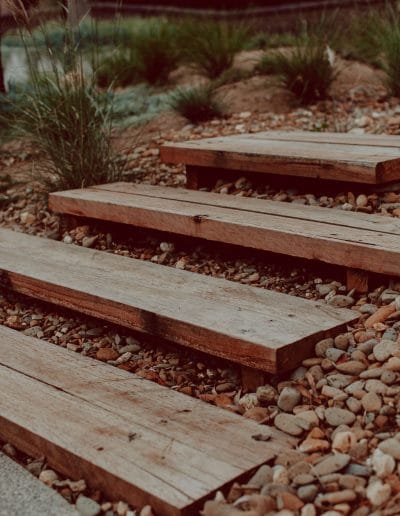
210	47
389	44
197	103
68	120
307	71
154	51
116	69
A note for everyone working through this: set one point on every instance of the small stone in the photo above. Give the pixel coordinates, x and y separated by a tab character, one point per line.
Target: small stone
368	308
336	416
288	399
105	354
167	247
339	381
347	495
280	475
249	401
375	386
48	477
334	354
332	392
89	241
87	507
391	446
130	348
389	377
342	341
354	405
341	301
266	394
385	349
68	239
289	501
308	510
393	364
378	493
382	463
361	200
331	464
9	450
307	493
371	402
343	441
261	477
380	315
292	425
351	367
322	346
310	445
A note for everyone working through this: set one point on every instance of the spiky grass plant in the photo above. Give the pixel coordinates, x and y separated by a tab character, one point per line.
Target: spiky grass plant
307	71
154	51
67	119
197	103
210	47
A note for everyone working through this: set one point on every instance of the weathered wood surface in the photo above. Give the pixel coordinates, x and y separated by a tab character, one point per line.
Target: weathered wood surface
333	156
352	240
127	436
254	327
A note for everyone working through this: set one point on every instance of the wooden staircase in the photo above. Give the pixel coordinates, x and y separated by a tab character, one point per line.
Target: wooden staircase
132	438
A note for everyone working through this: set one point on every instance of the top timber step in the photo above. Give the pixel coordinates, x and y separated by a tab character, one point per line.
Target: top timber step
129	437
257	328
371	159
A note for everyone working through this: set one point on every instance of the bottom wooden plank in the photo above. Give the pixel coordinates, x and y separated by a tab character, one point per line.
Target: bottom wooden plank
131	438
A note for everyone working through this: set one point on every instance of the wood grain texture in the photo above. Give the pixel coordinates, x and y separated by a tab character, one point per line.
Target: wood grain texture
254	327
338	157
129	437
352	240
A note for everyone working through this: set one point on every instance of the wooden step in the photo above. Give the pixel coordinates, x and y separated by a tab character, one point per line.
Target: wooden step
254	327
335	156
351	240
131	438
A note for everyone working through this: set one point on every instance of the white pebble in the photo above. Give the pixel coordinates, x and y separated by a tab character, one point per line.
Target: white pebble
378	492
344	441
382	463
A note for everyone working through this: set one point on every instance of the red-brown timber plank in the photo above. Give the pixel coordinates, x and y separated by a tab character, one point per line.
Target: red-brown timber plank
275	155
254	327
130	438
356	241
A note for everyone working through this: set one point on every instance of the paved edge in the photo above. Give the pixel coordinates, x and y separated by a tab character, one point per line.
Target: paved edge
22	494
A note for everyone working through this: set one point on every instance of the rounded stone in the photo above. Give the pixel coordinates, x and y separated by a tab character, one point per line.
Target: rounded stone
337	416
289	398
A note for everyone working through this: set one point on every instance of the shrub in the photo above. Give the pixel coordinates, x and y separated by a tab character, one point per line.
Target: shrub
210	47
69	121
197	103
306	71
116	69
155	51
389	44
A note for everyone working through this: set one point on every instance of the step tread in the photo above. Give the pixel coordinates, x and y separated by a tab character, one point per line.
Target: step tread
127	436
352	240
255	327
334	156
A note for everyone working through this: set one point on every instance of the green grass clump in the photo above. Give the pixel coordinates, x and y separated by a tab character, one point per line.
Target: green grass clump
306	70
66	118
197	103
210	47
116	69
71	125
155	51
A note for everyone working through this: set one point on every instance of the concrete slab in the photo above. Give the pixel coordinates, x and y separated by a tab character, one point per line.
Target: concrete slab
22	494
